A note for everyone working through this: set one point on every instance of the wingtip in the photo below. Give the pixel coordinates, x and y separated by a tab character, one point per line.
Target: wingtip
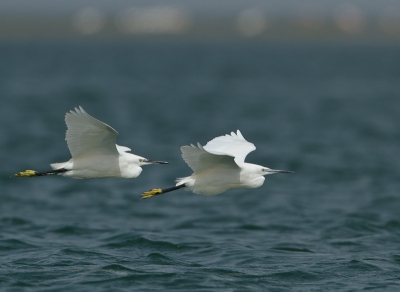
237	134
76	111
82	110
240	135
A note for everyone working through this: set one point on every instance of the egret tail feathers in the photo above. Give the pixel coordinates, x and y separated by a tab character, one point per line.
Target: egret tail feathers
57	165
181	180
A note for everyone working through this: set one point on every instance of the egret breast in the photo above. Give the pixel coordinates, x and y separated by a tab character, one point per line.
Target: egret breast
129	170
254	182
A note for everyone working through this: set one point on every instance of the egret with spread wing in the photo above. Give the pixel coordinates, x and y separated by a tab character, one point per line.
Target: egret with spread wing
219	166
94	152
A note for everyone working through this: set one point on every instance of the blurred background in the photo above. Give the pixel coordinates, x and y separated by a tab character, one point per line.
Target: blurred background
315	85
273	19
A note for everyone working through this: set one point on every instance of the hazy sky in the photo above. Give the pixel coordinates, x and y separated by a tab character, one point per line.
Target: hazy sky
9	7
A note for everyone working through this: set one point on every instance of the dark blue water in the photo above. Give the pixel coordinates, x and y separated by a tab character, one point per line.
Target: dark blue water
329	112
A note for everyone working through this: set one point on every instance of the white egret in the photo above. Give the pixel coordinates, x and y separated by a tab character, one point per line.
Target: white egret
219	166
94	152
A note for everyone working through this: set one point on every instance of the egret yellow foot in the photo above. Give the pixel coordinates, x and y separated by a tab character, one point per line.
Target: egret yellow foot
152	193
26	173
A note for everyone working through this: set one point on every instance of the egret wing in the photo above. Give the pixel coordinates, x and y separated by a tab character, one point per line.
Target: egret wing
200	160
87	136
232	145
123	149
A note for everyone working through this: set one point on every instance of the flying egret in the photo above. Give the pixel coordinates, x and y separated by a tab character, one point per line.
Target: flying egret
219	166
94	152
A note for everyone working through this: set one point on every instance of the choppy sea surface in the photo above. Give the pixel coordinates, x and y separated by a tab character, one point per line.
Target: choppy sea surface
330	112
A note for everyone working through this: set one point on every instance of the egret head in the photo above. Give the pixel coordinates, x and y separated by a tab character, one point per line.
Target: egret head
266	170
145	161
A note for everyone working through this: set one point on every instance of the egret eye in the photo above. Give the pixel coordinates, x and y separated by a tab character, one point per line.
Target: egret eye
263	170
141	160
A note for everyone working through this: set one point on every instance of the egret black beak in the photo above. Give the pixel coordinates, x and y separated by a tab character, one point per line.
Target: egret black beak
279	171
156	162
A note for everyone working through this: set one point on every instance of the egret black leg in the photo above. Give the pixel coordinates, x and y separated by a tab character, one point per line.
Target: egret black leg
51	172
30	173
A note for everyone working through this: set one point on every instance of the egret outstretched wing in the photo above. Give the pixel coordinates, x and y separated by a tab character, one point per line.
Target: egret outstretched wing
87	136
123	149
200	160
233	145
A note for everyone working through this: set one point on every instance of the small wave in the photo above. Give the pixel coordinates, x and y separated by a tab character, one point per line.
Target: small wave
13	221
129	240
361	266
350	228
70	230
116	268
81	252
347	243
396	258
74	230
292	249
160	259
294	276
188	224
132	278
14	244
252	227
392	225
281	228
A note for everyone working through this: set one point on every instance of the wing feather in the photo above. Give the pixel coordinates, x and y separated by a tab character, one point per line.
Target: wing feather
123	149
200	160
87	136
234	145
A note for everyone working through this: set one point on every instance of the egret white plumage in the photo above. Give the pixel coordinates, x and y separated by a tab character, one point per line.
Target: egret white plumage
94	152
219	166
